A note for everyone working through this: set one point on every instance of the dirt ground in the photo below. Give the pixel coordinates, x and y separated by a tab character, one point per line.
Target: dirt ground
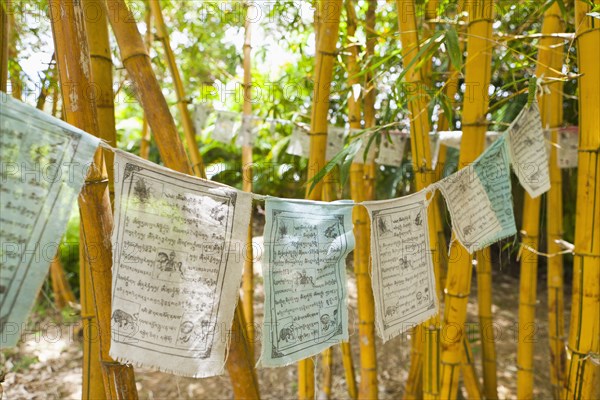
47	364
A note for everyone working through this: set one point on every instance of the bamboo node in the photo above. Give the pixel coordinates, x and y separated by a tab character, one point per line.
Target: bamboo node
590	150
585	254
327	53
143	54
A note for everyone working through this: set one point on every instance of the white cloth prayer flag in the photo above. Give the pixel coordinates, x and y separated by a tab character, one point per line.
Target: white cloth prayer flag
335	141
402	278
528	152
43	163
200	116
248	131
479	199
306	311
225	127
391	149
299	144
568	142
178	255
366	138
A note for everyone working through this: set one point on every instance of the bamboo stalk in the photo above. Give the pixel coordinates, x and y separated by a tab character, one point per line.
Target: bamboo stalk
102	81
486	323
70	41
327	360
146	136
4	38
470	379
239	364
186	119
583	368
552	116
348	364
426	337
550	60
16	84
458	283
547	62
92	385
328	194
63	295
324	60
55	101
358	186
248	276
370	169
137	62
46	84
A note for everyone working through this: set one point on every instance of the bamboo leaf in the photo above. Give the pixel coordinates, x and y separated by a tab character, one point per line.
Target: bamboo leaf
454	51
345	156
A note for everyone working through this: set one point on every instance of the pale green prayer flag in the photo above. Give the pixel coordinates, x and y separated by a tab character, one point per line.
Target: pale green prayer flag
479	199
43	164
306	311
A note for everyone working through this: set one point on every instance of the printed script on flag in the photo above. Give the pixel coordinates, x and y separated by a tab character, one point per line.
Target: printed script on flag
402	278
306	311
178	248
44	162
479	199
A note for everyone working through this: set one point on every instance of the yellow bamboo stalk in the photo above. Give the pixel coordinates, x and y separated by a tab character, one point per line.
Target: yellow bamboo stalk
486	324
16	84
425	353
358	186
4	37
370	169
348	364
583	367
458	282
135	58
92	385
63	295
327	360
248	277
146	136
324	61
470	379
71	44
552	116
327	195
182	101
548	65
102	81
